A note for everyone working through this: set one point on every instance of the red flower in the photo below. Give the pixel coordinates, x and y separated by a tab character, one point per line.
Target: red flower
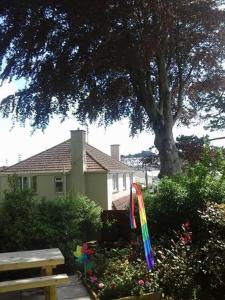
113	285
186	238
89	272
89	251
186	225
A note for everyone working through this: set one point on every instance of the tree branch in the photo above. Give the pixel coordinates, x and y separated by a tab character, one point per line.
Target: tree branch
164	101
182	84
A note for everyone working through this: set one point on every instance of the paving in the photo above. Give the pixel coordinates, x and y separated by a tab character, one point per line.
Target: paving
75	290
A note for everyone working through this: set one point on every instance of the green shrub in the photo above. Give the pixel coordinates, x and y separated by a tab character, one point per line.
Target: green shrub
120	273
209	253
27	223
178	199
187	271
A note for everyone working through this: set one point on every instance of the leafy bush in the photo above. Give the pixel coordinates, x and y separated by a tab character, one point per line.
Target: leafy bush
209	255
120	273
27	223
178	199
187	271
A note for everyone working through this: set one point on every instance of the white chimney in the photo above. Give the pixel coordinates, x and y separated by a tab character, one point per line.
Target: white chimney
115	151
78	161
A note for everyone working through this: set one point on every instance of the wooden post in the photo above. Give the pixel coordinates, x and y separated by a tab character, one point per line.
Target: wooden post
49	294
52	293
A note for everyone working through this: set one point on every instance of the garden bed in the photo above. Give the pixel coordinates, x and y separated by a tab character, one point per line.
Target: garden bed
150	296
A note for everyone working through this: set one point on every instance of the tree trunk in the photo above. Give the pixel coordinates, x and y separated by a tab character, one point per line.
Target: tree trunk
170	163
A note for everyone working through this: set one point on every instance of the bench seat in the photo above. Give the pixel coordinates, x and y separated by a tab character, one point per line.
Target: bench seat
36	282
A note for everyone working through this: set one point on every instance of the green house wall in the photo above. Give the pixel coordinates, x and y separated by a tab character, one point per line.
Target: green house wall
96	188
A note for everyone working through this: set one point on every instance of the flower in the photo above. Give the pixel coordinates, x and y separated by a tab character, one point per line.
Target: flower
93	279
112	285
89	272
141	282
186	225
101	285
186	238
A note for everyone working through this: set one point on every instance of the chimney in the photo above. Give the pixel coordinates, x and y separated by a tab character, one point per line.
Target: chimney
115	151
78	161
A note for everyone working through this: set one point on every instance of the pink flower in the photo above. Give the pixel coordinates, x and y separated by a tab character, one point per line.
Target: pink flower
93	279
141	282
101	285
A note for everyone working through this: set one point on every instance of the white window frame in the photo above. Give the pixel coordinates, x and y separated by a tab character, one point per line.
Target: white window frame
124	181
115	182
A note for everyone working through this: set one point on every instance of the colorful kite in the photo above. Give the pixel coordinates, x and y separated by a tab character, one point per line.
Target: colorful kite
144	226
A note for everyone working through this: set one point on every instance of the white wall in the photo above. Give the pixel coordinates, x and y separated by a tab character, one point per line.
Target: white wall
114	195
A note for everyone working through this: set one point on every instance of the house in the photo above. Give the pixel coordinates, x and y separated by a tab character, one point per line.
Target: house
74	167
146	164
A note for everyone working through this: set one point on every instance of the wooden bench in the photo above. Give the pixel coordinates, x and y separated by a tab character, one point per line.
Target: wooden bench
46	260
36	282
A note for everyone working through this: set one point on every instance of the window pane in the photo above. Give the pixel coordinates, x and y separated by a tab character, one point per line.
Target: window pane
20	182
34	183
124	181
58	184
115	182
25	183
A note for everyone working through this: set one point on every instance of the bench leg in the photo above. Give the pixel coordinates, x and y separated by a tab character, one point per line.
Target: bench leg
52	293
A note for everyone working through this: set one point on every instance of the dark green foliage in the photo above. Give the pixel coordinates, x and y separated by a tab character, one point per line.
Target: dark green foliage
27	223
121	272
195	271
209	255
178	199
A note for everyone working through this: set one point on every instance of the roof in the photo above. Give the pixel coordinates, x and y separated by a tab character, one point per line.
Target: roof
121	203
58	159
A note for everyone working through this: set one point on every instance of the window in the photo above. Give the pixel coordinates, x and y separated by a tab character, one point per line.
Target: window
115	183
23	182
131	178
124	181
34	183
26	182
58	184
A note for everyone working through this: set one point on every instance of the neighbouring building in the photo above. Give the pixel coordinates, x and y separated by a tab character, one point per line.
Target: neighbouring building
146	164
74	167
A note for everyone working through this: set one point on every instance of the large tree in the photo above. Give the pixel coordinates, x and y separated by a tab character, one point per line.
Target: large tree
148	60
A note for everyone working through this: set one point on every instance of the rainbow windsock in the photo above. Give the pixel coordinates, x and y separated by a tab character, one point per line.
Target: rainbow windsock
144	227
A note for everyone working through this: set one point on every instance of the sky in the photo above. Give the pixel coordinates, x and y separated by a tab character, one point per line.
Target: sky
19	142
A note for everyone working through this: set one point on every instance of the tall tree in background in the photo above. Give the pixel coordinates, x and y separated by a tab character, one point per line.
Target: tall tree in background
191	147
108	59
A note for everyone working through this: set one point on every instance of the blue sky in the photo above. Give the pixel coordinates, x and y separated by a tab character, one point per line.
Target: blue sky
19	140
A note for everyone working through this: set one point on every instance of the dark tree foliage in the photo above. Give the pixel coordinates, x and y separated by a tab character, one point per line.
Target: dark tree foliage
191	147
155	62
